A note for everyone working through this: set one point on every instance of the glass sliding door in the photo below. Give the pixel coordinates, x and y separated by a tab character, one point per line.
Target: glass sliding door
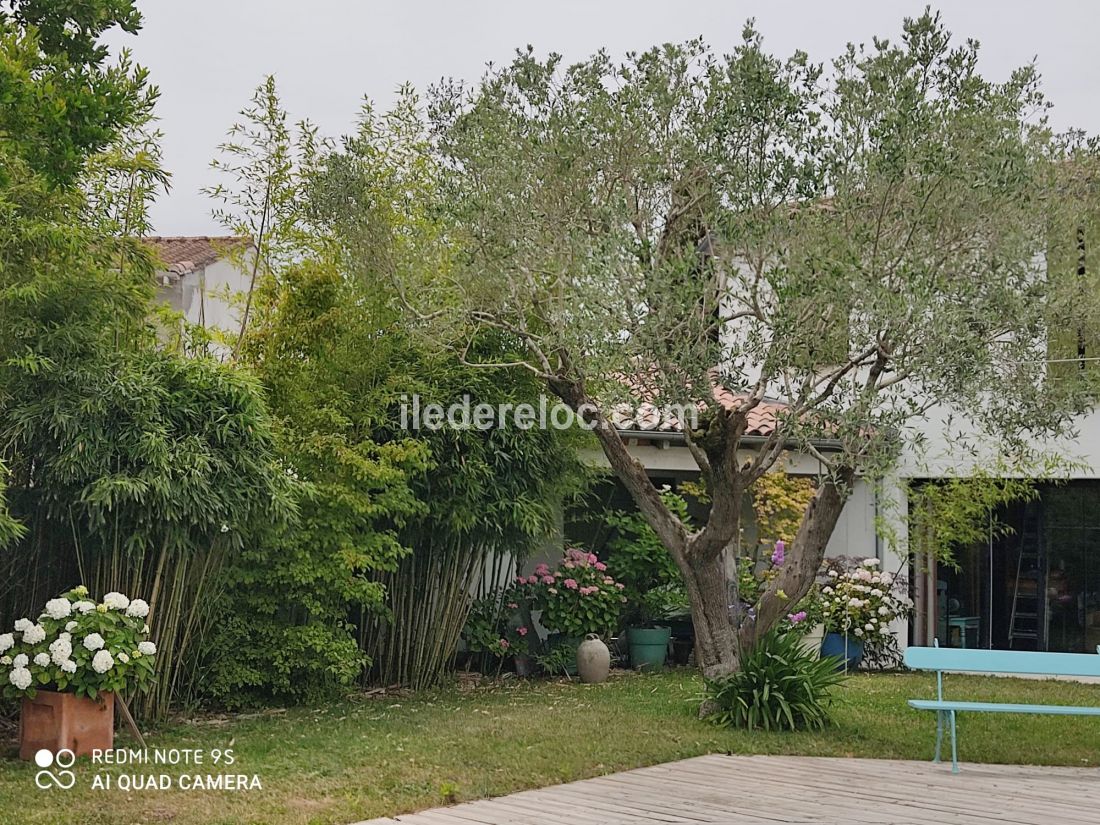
1036	587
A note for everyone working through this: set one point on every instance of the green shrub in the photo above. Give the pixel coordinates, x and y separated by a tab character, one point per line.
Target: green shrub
780	686
654	586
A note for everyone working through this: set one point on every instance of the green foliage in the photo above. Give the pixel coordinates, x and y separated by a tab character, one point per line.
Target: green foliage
395	524
289	597
577	597
858	240
147	451
653	584
558	660
130	468
486	493
61	100
495	626
143	472
780	686
950	513
10	528
778	501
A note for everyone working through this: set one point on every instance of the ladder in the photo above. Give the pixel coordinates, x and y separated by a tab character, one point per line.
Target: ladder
1028	620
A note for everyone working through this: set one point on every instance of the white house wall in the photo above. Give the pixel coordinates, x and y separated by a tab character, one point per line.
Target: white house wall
211	296
951	457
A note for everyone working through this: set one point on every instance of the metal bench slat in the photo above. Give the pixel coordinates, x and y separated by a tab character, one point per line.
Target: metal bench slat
994	707
1002	661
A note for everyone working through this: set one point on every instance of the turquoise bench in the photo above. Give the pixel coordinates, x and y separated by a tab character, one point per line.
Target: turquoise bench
960	660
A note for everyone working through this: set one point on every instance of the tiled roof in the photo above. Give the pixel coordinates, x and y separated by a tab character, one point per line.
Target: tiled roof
761	418
181	255
650	417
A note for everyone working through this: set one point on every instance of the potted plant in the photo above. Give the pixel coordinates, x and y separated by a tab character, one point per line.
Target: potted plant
653	585
858	603
493	631
650	617
68	665
577	598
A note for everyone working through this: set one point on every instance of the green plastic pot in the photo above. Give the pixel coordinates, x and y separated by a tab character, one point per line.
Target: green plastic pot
648	647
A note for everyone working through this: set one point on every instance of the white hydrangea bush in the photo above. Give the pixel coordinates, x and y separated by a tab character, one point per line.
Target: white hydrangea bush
858	599
79	646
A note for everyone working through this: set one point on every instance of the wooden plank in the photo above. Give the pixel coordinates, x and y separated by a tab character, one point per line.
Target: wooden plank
737	790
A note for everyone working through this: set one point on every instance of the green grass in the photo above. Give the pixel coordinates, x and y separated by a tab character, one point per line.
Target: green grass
376	757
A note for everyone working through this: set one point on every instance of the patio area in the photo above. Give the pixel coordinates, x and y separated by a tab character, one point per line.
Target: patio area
790	789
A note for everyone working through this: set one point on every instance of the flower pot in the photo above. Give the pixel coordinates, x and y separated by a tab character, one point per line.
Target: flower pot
812	640
648	647
593	660
57	721
524	665
848	649
683	638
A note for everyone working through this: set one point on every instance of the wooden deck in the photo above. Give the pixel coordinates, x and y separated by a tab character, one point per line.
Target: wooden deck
769	789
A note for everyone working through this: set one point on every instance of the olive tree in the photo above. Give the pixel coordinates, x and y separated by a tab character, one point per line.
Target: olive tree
841	248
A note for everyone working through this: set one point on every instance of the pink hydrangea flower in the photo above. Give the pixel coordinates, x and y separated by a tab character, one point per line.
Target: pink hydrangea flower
592	558
620	585
504	644
570	583
521	580
608	580
600	566
522	631
542	570
532	579
547	579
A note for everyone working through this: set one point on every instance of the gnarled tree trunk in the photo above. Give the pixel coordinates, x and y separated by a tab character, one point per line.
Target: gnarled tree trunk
716	644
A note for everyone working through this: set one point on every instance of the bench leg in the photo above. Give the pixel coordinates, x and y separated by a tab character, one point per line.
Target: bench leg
954	749
939	734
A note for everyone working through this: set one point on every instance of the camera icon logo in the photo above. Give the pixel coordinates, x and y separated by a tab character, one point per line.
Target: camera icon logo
60	777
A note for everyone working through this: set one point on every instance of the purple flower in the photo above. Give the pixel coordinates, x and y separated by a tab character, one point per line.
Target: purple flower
795	618
779	554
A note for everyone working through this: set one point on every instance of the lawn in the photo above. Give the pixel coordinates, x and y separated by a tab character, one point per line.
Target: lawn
364	758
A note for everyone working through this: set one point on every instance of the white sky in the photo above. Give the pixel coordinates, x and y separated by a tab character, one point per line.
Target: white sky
207	56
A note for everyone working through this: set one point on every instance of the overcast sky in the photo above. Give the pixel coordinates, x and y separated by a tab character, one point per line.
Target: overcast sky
208	56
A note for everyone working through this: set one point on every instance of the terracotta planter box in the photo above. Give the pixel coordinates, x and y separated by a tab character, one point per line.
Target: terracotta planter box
55	721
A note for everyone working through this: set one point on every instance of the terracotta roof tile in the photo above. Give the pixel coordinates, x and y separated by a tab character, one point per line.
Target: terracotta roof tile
647	414
181	255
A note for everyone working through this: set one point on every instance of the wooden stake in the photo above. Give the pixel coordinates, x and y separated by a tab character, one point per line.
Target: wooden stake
120	703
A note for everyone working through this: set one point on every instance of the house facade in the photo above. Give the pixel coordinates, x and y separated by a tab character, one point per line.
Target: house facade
202	278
